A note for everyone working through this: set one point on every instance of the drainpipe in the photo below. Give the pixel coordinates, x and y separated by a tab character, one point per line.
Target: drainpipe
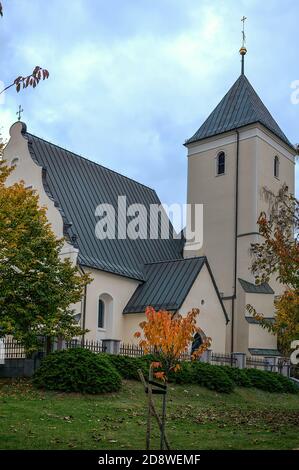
84	307
236	242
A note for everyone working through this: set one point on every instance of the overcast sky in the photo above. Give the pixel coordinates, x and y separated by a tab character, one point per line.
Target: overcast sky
130	80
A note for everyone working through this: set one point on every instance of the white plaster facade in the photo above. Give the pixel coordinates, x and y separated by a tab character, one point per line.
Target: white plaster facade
114	290
226	244
257	150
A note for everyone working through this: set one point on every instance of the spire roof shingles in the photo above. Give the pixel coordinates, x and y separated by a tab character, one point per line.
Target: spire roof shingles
240	107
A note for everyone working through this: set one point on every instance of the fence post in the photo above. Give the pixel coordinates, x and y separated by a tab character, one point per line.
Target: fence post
2	352
284	367
206	356
272	365
240	359
112	346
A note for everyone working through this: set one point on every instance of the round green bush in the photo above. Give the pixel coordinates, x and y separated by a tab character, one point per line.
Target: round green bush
127	366
270	381
238	376
185	375
77	370
264	380
212	377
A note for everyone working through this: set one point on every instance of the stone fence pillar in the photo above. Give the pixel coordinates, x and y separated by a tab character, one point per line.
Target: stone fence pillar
240	359
272	365
283	366
2	352
112	345
206	356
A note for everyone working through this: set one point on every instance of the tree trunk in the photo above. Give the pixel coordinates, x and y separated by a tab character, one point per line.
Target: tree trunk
162	442
149	413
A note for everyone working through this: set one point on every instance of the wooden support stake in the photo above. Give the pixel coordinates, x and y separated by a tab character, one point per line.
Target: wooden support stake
153	410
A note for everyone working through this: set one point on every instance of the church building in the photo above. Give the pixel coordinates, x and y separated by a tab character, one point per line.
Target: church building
236	152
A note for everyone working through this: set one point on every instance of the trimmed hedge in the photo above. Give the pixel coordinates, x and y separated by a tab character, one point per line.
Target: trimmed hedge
270	381
80	370
127	366
206	375
77	370
238	376
222	379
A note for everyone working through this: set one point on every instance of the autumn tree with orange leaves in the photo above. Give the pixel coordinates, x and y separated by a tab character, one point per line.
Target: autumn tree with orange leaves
278	255
167	335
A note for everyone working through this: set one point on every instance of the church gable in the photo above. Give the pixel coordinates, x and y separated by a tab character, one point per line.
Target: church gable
167	285
77	186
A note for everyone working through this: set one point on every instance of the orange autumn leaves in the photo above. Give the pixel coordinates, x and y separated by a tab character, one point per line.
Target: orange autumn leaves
168	336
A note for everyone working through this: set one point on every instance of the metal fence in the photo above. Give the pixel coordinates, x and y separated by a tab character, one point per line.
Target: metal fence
132	350
12	349
223	359
257	363
94	346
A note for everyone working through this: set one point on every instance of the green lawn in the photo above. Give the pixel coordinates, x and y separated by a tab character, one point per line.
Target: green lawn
197	419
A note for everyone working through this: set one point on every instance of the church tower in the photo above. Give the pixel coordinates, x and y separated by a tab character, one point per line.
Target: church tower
236	152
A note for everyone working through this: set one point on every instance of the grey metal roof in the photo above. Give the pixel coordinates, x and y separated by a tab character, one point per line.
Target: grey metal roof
78	186
256	288
168	284
239	107
263	352
254	321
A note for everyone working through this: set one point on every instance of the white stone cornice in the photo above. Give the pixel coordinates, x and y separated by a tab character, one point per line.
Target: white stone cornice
250	132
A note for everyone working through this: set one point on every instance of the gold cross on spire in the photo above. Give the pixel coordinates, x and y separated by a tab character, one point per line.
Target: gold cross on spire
18	113
243	49
243	30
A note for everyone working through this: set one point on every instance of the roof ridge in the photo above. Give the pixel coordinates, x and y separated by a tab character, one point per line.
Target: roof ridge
90	161
175	259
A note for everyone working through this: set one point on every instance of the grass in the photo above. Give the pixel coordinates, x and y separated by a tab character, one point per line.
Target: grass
197	419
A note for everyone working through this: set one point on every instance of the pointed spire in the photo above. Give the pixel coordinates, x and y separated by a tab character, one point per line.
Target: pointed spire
243	49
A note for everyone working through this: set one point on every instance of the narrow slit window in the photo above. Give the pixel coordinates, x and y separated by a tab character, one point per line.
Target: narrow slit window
276	166
221	163
101	314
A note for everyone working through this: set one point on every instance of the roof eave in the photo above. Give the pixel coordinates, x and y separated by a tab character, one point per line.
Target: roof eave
288	145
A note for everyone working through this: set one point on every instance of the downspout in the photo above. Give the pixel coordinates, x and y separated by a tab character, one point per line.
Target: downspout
236	242
84	307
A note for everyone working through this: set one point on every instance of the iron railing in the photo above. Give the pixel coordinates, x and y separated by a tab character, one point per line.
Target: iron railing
223	359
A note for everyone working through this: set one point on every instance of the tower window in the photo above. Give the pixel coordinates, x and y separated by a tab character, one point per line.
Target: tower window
276	166
101	314
220	163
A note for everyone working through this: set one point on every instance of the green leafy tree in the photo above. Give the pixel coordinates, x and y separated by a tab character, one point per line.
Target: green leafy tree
278	255
37	287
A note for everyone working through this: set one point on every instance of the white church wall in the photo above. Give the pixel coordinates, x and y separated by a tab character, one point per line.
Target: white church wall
258	336
17	153
241	326
216	194
120	290
131	325
211	319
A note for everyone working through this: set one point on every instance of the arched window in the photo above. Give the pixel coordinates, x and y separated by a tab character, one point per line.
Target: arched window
276	166
197	341
101	314
220	163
